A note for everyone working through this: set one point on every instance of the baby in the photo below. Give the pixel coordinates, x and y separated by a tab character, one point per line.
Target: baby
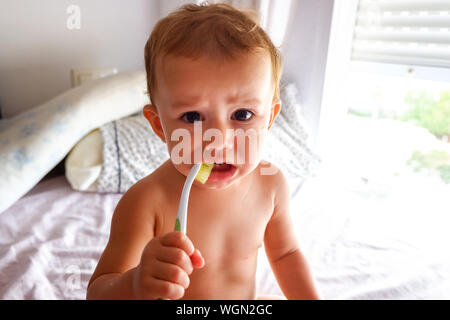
210	68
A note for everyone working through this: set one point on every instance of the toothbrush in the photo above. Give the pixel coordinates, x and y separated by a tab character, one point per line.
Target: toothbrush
200	172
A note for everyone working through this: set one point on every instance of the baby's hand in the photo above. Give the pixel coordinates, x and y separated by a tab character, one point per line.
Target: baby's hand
166	263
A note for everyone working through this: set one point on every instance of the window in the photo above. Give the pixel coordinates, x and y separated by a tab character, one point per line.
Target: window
386	104
410	32
403	37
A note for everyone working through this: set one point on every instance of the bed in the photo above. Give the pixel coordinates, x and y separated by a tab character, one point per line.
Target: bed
52	235
52	238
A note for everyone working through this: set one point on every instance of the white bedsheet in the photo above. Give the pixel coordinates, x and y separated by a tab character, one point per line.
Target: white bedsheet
51	240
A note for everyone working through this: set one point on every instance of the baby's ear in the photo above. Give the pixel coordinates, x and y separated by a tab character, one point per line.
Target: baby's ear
274	111
151	114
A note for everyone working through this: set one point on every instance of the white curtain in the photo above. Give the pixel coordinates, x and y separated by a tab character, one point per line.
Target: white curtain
274	14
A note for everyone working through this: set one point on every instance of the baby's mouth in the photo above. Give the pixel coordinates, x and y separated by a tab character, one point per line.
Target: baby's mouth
222	166
222	172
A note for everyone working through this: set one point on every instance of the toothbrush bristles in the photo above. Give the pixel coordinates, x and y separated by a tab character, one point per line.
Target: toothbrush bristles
204	172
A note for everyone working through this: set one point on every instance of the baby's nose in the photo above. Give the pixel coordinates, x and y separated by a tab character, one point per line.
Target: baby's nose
218	140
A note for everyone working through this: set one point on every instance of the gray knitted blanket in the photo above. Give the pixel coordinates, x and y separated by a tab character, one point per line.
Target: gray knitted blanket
131	150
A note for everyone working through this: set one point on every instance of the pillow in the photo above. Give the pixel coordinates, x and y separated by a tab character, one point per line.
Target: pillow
84	163
32	143
131	150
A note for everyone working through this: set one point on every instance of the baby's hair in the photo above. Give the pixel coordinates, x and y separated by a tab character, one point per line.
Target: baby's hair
218	31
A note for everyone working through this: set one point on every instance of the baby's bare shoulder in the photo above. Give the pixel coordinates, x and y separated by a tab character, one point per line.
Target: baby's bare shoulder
139	203
273	182
271	176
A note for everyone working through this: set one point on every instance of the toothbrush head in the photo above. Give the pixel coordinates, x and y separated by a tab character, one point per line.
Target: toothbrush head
204	172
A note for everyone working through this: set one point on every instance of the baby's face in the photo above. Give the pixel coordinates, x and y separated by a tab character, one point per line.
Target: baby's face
214	113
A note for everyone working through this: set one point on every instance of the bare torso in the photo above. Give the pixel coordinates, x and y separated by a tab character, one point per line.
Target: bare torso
226	226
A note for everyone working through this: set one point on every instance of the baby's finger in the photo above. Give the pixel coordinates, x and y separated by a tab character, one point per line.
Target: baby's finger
197	259
179	240
166	290
172	273
176	256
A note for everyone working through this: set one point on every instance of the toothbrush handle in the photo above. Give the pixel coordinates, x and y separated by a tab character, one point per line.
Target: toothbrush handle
180	223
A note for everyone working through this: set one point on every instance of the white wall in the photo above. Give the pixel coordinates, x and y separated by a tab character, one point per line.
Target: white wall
37	50
305	54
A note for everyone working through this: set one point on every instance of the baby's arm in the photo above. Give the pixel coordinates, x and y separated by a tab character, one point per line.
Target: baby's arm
288	263
135	263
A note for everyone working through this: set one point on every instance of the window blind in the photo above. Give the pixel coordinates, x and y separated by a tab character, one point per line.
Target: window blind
409	32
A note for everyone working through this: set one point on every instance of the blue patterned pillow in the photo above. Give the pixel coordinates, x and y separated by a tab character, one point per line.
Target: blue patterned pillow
32	143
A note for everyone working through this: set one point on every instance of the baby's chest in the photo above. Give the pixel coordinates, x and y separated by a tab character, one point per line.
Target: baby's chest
230	231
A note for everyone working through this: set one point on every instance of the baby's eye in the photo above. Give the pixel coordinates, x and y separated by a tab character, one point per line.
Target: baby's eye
191	117
242	115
